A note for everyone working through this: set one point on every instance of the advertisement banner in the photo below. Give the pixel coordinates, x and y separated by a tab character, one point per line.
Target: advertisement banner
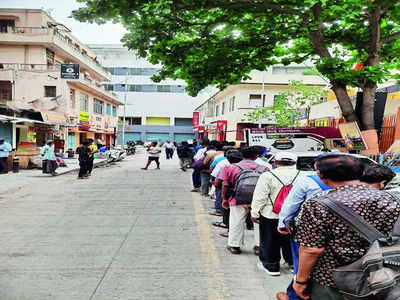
352	136
55	117
84	117
196	119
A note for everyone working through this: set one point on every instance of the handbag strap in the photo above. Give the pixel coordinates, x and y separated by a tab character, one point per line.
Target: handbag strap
396	227
356	222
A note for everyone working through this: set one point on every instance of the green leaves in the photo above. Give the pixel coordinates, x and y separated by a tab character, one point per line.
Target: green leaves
220	42
288	105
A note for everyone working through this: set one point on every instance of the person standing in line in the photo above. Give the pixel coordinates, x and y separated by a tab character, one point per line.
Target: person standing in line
200	154
169	149
184	154
154	155
238	212
304	188
5	150
84	153
267	190
93	149
326	241
49	157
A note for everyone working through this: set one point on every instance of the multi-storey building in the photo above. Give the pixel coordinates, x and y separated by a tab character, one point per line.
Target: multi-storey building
154	111
35	102
224	114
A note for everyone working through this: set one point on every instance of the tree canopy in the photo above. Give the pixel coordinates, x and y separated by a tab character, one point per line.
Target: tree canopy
218	42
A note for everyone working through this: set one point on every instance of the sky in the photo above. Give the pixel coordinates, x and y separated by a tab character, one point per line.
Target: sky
60	10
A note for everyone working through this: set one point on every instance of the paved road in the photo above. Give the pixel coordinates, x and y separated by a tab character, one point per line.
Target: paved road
123	234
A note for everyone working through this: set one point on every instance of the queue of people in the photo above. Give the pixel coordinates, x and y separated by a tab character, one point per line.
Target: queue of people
288	212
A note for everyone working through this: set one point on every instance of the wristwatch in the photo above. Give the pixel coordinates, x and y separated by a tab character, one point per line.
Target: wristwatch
301	282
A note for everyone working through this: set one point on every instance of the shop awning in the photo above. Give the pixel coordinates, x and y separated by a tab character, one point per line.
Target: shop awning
4	118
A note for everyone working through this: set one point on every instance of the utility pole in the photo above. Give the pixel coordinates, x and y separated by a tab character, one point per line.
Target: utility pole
124	116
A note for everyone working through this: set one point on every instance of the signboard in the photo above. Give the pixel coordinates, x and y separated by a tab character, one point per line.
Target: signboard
83	117
196	119
54	117
352	136
70	71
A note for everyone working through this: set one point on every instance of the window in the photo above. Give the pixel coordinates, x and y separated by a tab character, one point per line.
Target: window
276	97
50	91
109	87
232	104
163	88
133	121
84	102
4	24
177	89
256	101
121	71
114	113
148	88
98	106
223	108
108	110
5	90
119	88
217	110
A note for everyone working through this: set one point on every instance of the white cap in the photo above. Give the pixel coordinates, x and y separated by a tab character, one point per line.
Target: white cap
286	156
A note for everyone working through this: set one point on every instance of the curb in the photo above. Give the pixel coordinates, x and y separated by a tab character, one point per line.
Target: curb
97	164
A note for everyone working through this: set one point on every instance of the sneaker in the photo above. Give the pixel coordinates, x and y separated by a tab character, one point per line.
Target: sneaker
271	271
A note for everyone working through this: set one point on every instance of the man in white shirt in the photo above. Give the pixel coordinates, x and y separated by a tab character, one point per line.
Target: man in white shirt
267	189
154	155
169	149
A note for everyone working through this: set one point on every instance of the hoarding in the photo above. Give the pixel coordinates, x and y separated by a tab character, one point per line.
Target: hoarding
70	71
352	136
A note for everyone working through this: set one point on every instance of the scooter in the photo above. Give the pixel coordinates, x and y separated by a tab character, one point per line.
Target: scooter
130	148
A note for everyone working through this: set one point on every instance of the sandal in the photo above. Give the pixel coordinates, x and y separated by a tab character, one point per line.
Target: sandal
214	213
224	234
256	250
219	224
234	250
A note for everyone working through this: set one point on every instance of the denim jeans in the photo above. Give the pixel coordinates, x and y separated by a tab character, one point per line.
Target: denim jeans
218	200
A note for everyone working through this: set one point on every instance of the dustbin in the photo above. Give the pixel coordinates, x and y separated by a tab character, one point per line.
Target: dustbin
15	164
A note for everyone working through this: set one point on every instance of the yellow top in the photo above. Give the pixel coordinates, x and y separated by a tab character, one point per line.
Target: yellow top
92	148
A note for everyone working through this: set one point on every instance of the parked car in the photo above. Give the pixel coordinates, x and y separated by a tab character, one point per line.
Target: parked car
305	160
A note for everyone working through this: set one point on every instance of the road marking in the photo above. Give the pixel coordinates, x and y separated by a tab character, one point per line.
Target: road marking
211	259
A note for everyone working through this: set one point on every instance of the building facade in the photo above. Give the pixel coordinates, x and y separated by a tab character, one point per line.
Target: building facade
36	104
224	115
154	111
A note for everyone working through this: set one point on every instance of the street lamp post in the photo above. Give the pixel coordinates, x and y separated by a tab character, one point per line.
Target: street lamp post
124	116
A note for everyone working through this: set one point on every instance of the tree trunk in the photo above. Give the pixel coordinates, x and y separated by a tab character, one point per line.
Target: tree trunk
344	102
368	107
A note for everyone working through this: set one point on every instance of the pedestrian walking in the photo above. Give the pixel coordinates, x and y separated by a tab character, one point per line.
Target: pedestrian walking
377	176
84	153
154	152
93	149
239	180
169	149
271	189
5	150
49	158
327	242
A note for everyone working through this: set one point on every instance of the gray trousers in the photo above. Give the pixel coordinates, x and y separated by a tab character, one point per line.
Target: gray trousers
205	182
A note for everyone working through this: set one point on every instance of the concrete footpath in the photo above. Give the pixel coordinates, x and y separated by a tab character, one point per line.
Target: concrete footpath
15	181
122	234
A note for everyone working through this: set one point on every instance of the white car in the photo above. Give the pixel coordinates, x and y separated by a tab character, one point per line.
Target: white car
305	160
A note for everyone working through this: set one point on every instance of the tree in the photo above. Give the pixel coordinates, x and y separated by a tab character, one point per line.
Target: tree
289	105
218	42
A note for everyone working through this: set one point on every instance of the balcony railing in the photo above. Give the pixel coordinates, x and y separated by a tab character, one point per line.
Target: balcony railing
29	67
57	34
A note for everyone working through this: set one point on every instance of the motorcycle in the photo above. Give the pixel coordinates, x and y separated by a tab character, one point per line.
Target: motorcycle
130	148
115	154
